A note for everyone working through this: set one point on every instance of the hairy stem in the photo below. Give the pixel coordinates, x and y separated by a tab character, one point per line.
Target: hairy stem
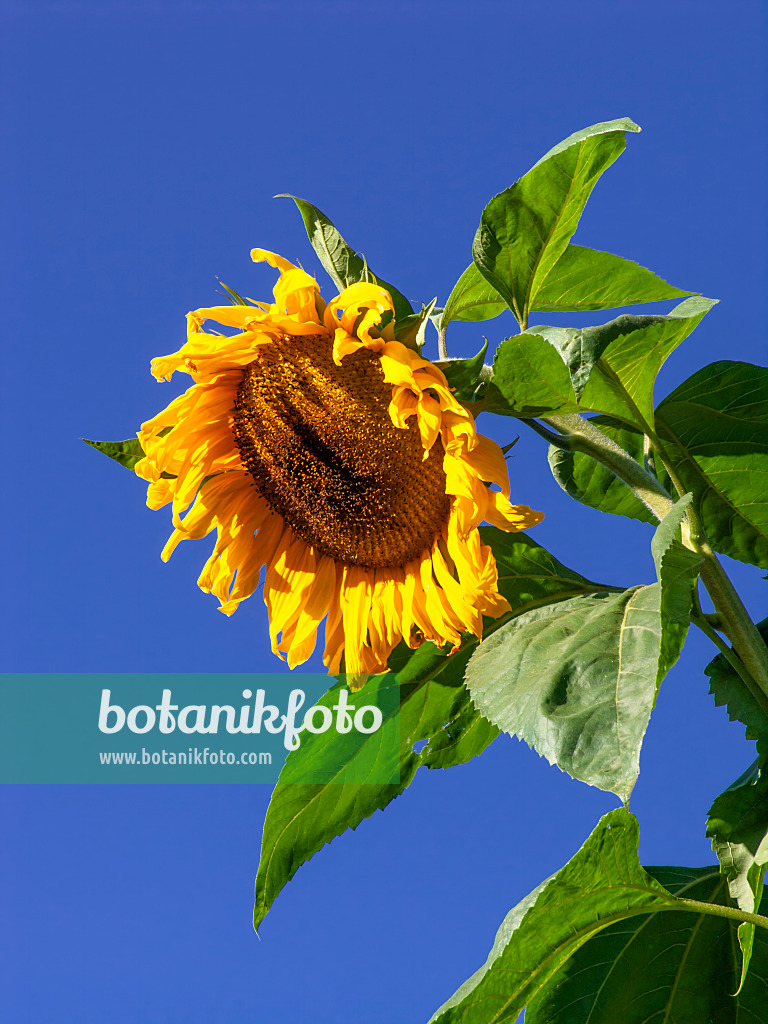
717	910
441	345
583	436
579	434
699	619
736	623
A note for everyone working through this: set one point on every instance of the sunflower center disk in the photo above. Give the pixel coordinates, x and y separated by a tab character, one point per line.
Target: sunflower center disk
320	445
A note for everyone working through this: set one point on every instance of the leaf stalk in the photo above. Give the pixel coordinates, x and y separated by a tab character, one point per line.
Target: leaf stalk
579	434
718	910
736	623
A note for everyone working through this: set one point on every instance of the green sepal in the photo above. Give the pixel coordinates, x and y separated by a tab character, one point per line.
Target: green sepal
411	330
127	452
465	376
339	259
235	298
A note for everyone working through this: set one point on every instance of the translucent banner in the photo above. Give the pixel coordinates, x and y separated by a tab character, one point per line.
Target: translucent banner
197	728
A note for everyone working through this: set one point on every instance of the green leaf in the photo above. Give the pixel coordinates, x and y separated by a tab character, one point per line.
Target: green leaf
472	298
675	966
525	229
127	452
529	379
592	484
601	885
613	367
738	827
715	431
529	576
677	568
577	681
464	375
434	706
582	279
728	689
411	330
585	279
716	424
302	817
608	369
340	260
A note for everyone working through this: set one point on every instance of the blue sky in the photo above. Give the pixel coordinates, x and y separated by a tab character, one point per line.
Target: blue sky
146	144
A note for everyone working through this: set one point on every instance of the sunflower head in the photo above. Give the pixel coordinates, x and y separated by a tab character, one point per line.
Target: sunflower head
337	462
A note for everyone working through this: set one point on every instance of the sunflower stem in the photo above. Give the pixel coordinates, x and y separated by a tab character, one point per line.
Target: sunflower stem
699	619
736	623
718	910
579	434
442	348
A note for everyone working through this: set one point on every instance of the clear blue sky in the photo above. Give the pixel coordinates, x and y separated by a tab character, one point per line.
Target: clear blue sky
146	143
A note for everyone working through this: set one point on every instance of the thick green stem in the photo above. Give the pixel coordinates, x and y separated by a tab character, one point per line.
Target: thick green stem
699	619
736	623
585	437
717	910
441	345
579	434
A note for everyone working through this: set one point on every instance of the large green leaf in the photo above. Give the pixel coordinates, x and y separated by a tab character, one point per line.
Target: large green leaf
585	279
127	452
613	367
608	369
338	258
582	279
472	298
601	885
529	379
302	817
675	966
720	456
716	424
524	230
529	576
738	827
433	706
577	680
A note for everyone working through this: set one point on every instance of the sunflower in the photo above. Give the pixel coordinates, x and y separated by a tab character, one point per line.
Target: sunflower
338	460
